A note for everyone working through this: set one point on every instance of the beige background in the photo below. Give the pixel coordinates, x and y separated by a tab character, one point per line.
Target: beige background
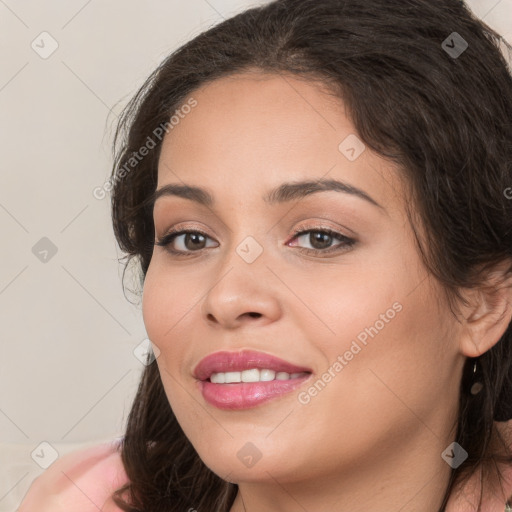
68	371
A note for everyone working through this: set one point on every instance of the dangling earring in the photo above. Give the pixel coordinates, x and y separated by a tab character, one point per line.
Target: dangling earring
477	385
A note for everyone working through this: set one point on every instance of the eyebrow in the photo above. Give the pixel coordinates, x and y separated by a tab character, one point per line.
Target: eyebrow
283	193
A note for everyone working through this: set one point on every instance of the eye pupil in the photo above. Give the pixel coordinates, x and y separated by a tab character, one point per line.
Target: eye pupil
194	237
317	236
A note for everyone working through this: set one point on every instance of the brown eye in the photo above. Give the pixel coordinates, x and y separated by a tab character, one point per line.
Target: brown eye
186	242
320	240
194	241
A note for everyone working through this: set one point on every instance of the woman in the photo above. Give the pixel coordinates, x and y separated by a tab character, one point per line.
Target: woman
317	194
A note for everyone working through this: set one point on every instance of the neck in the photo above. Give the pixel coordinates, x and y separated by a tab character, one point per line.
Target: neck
412	477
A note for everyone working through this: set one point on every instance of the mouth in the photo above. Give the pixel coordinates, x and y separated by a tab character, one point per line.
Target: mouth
246	366
242	380
254	375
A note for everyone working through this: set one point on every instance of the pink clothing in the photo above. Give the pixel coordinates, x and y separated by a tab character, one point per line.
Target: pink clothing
80	481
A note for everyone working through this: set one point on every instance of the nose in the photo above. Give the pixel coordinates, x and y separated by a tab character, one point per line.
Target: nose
245	293
222	318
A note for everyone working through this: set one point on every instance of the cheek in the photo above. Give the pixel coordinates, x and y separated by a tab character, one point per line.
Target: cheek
153	304
166	304
378	381
346	305
390	332
164	312
404	366
365	288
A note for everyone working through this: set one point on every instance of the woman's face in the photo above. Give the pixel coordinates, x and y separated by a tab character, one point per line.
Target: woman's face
363	317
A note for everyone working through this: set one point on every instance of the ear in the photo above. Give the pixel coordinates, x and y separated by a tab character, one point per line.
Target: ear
489	313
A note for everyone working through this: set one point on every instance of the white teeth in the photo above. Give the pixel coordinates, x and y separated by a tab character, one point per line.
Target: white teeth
232	377
252	375
218	378
267	375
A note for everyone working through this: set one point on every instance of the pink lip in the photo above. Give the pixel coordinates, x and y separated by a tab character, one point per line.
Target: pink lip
244	395
220	362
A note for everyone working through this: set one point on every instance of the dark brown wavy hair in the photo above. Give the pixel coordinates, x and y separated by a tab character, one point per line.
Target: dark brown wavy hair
444	119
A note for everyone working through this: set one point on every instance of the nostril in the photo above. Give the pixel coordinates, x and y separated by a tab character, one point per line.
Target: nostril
254	315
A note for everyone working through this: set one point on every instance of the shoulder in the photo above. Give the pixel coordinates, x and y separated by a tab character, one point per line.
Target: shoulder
80	481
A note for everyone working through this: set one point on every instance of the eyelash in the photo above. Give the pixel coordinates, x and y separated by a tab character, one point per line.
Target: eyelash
346	242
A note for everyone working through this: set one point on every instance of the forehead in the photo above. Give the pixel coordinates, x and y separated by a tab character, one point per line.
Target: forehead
265	106
255	128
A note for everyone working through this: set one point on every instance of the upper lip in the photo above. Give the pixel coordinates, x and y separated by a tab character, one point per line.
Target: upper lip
220	362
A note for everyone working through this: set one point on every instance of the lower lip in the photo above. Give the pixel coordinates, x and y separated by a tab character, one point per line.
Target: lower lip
244	395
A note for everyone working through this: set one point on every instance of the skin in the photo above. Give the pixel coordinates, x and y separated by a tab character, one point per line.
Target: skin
372	438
